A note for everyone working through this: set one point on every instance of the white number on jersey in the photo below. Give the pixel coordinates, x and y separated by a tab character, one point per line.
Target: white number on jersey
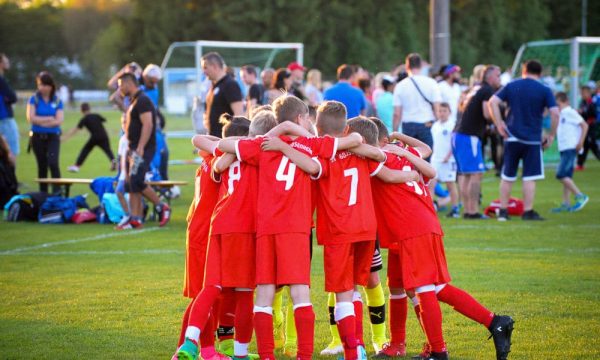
414	184
353	172
235	174
286	176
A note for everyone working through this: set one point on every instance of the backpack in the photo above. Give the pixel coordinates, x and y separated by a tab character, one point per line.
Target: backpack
515	207
59	210
24	207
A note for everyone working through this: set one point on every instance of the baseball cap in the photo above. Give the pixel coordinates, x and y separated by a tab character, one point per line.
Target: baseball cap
295	66
152	71
451	69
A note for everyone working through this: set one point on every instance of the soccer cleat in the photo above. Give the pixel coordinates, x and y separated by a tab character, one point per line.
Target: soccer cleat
379	343
425	352
391	351
361	352
501	330
164	214
580	201
532	215
188	350
454	213
477	216
334	348
561	208
124	220
579	168
502	215
174	357
436	356
73	168
219	356
131	224
226	347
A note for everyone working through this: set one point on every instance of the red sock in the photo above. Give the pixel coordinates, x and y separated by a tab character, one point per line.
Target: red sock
227	315
202	307
398	315
347	328
207	337
358	318
244	316
465	304
431	319
417	309
305	328
184	323
263	327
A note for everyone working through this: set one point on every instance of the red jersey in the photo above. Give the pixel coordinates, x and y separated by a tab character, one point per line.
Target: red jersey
206	192
403	210
284	191
235	211
345	211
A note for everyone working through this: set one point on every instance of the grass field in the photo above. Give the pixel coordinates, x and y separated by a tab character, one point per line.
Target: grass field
86	291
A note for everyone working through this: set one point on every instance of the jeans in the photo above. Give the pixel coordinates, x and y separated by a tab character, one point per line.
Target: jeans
10	131
46	148
419	132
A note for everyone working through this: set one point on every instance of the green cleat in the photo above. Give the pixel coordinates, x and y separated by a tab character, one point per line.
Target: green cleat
226	347
188	350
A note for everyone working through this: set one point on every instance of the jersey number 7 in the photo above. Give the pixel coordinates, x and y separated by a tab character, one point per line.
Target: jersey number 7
353	173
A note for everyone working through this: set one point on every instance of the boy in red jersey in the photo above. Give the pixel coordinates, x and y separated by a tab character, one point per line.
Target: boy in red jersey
416	259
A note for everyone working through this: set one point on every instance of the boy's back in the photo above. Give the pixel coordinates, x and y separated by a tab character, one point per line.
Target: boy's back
568	133
93	123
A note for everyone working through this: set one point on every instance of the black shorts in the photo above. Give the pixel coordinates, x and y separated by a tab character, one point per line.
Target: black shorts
377	262
135	178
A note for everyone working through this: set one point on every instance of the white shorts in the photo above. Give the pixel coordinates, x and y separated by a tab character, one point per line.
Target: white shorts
446	172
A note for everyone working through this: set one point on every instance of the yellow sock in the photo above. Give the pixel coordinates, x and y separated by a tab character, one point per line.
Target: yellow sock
277	307
376	304
291	336
335	335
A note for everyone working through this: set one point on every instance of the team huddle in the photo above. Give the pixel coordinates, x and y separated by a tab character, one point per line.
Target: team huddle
250	236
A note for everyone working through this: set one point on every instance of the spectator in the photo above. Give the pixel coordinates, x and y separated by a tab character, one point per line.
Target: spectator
366	87
344	92
377	80
587	110
116	98
450	89
313	87
477	76
416	101
506	76
467	142
45	114
8	179
385	103
281	84
8	125
527	100
266	77
151	75
98	137
297	88
225	95
256	91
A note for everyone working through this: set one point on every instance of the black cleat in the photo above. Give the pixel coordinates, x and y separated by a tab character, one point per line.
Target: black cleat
532	215
436	356
502	215
501	330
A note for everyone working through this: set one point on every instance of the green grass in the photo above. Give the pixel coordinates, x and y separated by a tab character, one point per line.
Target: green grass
86	291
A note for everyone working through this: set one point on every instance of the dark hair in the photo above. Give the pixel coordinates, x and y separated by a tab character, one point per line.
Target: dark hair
401	76
312	111
445	105
585	87
129	77
382	130
234	125
214	58
250	69
533	67
385	84
442	69
278	78
366	128
85	107
413	61
561	97
46	78
345	72
364	84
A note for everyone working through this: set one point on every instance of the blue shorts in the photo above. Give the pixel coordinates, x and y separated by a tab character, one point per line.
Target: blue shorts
10	131
468	154
533	162
567	163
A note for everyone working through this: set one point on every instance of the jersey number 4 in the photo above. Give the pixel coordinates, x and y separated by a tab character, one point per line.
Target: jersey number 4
286	173
353	173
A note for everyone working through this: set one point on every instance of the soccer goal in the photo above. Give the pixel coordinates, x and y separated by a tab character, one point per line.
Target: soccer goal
568	63
184	80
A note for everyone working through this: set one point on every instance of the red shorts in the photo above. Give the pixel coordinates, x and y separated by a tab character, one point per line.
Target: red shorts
347	265
283	259
195	259
230	261
417	262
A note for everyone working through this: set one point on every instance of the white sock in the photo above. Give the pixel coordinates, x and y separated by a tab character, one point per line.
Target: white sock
193	333
239	349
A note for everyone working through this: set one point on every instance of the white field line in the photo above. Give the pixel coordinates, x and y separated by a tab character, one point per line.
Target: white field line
533	250
493	224
80	240
91	252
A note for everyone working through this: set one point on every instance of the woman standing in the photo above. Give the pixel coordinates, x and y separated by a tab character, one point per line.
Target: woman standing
45	114
313	87
282	83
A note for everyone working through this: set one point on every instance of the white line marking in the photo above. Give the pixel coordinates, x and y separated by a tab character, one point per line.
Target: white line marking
75	241
534	250
489	224
91	252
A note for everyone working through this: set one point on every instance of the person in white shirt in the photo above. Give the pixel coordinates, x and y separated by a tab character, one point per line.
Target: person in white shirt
450	89
416	101
571	133
442	158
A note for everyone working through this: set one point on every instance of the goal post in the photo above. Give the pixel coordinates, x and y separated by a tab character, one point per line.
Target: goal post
183	77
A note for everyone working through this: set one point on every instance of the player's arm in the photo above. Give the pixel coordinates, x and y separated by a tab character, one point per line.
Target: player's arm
304	162
206	143
369	151
422	166
421	147
350	141
554	117
584	129
494	109
397	176
288	128
69	134
223	162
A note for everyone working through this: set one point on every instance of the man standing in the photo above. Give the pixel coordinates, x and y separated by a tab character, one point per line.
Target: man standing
8	125
467	140
225	96
140	130
450	89
526	98
256	91
297	71
344	92
416	101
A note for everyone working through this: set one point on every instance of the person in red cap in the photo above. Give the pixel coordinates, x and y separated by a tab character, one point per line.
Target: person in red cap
297	71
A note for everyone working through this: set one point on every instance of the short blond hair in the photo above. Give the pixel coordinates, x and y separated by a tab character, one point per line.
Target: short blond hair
331	118
262	122
288	107
366	128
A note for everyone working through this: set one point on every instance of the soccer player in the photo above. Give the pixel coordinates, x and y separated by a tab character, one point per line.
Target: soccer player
417	261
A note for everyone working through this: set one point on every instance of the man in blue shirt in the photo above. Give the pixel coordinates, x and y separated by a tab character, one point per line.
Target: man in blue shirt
347	94
527	99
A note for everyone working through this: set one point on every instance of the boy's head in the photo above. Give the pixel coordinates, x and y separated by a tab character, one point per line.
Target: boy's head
85	107
290	108
586	92
234	125
331	119
444	112
562	99
262	122
383	135
366	128
258	109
